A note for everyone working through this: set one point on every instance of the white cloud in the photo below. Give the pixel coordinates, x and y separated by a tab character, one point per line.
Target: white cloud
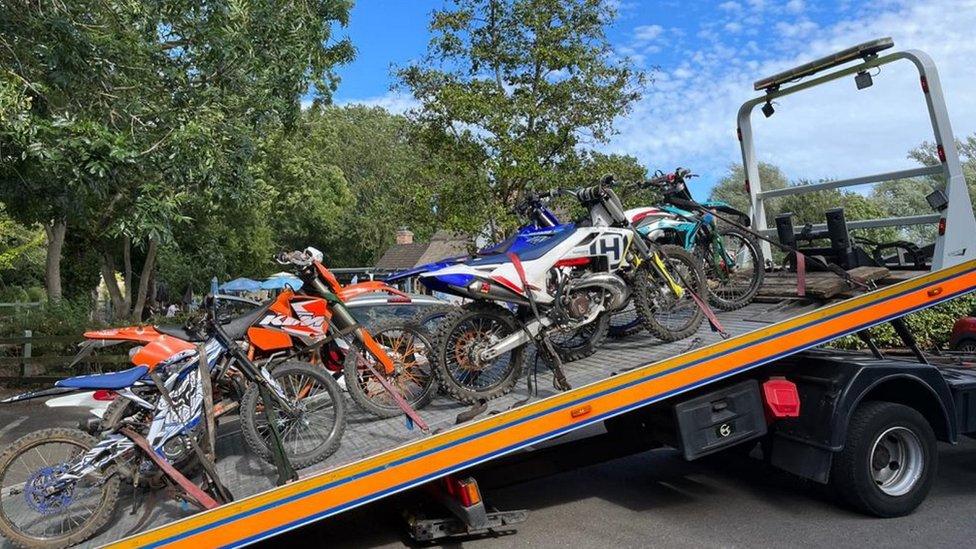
795	30
730	6
733	27
688	117
795	6
648	33
395	102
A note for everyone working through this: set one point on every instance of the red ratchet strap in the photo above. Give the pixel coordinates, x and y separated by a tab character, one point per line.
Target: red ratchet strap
398	398
709	314
191	489
520	270
801	274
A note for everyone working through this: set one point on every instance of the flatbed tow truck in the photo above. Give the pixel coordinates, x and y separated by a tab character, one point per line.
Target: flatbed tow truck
865	423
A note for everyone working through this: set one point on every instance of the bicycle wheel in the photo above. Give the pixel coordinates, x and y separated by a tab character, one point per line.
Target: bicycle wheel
733	284
660	310
462	336
312	430
409	347
38	507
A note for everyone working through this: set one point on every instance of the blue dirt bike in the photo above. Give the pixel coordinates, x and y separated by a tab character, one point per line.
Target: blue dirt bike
571	344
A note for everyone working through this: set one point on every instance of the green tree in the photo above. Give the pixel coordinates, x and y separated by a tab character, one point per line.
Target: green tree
521	84
732	188
119	113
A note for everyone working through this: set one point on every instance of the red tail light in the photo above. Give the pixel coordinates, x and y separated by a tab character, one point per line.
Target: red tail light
782	398
104	395
942	226
465	491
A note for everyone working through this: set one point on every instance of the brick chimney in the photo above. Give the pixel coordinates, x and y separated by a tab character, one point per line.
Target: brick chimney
404	236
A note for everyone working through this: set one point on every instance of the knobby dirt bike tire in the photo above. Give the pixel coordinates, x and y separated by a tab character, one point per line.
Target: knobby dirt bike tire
351	370
644	292
513	371
103	513
250	413
755	283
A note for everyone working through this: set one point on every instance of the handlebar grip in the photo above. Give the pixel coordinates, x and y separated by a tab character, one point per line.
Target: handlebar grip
590	193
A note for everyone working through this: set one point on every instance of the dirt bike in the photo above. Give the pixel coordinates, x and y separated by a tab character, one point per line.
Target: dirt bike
387	369
732	260
58	487
558	278
569	344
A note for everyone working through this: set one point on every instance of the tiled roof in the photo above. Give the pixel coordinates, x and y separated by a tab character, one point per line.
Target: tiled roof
401	256
441	246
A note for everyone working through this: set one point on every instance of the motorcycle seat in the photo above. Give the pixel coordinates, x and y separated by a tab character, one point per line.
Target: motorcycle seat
113	380
234	327
180	333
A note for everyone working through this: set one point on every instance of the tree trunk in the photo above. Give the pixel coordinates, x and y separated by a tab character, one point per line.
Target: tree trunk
147	269
55	232
127	273
119	307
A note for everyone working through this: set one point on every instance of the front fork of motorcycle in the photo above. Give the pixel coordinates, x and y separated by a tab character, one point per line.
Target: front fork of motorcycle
342	319
644	252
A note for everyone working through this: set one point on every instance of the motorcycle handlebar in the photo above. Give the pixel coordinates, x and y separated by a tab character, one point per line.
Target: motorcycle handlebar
665	179
295	257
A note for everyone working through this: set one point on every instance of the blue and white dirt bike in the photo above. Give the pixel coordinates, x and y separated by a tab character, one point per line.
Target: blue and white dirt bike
60	486
557	279
569	344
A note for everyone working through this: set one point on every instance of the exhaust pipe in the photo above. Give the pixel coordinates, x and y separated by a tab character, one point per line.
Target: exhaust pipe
619	291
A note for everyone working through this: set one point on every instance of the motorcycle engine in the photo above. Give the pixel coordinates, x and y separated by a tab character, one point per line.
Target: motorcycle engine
578	305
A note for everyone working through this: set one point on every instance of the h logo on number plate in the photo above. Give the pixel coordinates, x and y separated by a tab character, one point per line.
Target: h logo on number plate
610	246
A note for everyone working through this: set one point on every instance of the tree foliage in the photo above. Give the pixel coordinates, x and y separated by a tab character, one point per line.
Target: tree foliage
520	84
115	115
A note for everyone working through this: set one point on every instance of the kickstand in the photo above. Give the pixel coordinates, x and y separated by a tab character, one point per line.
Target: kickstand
555	364
286	473
148	505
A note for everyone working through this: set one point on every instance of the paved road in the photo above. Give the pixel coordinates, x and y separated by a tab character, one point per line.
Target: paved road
657	499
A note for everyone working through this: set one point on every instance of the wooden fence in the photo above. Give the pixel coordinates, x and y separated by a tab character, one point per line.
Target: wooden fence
30	359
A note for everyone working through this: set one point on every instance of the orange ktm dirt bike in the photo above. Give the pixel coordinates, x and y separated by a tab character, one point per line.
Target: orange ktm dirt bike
387	370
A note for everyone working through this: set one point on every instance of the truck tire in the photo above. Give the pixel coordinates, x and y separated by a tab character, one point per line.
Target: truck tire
888	462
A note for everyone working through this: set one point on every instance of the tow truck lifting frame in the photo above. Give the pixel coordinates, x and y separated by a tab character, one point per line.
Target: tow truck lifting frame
417	461
954	243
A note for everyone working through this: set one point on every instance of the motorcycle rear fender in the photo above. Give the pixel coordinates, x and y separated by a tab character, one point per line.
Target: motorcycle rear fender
141	334
160	350
373	286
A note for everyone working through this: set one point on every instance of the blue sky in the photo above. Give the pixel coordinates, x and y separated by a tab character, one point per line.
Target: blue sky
704	56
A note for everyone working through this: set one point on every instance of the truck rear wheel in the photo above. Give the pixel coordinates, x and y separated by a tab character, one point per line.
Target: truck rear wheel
888	462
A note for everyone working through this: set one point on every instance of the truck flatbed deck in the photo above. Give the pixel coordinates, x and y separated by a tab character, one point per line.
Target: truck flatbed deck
379	458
